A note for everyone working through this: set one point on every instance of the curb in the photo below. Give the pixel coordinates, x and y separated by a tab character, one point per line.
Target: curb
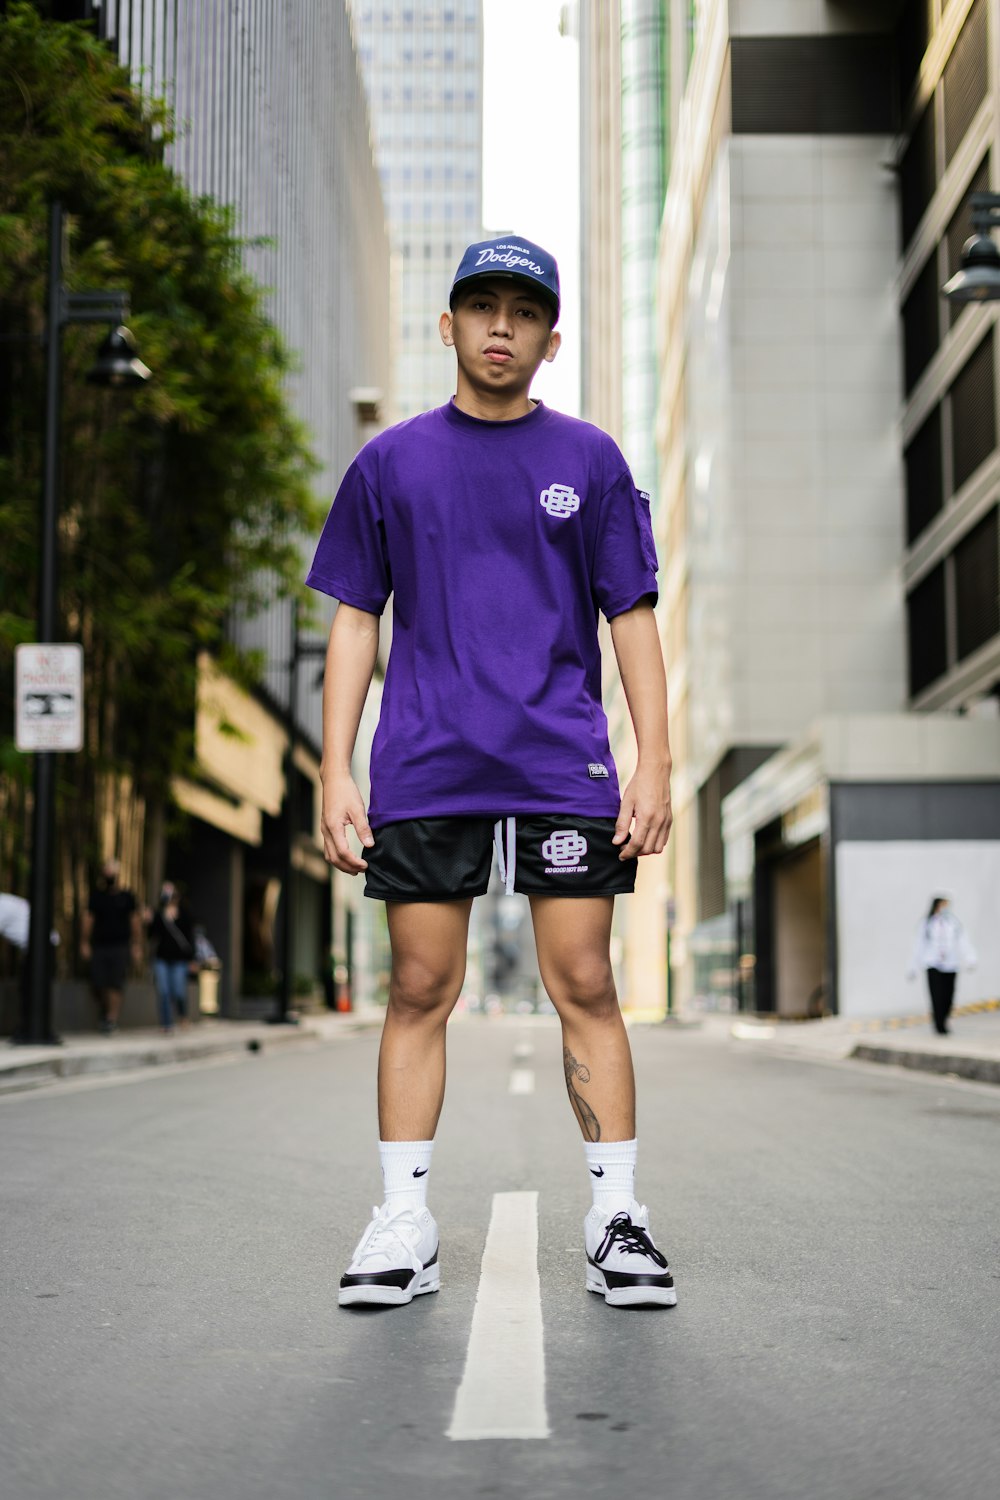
980	1069
36	1072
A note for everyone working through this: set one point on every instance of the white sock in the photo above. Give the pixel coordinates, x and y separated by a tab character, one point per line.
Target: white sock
612	1172
405	1165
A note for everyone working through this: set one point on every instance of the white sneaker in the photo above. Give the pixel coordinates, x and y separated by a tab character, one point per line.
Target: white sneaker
396	1259
623	1264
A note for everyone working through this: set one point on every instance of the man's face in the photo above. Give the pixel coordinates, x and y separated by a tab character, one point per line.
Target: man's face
501	332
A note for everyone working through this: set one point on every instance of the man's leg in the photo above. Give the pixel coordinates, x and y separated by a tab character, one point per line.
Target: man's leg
397	1256
573	939
428	941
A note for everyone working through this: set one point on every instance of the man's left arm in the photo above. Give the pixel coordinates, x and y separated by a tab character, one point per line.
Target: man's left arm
135	928
646	799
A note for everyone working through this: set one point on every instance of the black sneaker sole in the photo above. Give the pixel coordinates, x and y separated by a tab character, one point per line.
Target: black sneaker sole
372	1294
636	1295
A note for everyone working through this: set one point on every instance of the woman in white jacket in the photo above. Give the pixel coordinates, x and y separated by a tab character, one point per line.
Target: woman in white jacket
942	948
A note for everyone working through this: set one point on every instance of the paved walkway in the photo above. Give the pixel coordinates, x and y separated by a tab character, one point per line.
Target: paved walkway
971	1050
83	1054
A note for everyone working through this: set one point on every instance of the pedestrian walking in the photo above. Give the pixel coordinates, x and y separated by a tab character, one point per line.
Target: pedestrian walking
942	947
15	924
112	935
171	931
15	928
501	528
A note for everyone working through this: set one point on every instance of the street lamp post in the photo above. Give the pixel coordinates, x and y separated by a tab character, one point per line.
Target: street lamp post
116	365
978	278
300	650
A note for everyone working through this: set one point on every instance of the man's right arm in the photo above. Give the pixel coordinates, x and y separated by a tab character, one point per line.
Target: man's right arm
350	662
86	932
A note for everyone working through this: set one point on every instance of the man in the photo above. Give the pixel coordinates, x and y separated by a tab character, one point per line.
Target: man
501	528
112	933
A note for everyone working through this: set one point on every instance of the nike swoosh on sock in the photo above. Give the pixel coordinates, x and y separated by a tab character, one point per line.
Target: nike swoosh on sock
420	1171
594	1172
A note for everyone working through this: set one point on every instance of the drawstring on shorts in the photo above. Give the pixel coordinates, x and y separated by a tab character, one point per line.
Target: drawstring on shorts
506	864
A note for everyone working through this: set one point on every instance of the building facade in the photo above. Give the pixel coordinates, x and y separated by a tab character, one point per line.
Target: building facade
423	69
623	134
828	465
272	119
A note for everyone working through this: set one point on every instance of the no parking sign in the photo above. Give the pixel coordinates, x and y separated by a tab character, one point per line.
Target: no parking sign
49	697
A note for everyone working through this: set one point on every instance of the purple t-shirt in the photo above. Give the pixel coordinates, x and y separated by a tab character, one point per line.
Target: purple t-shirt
500	542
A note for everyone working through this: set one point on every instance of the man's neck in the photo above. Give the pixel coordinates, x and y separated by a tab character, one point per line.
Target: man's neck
493	408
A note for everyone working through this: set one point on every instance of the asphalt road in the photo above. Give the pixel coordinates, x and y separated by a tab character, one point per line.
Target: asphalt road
170	1247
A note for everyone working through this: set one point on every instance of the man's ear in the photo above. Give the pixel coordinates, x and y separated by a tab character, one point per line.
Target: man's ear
555	340
444	329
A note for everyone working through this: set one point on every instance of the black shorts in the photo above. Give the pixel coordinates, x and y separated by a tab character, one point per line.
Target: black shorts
109	968
447	859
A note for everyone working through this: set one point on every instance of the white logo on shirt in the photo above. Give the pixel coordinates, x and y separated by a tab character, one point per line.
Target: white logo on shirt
597	771
560	500
564	849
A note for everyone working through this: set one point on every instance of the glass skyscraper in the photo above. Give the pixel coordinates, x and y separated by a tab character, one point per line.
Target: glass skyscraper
423	68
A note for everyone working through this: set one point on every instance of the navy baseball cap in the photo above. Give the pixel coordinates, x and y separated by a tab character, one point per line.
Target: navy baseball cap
510	255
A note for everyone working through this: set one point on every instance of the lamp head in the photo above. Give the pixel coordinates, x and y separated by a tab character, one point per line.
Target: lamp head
117	363
978	280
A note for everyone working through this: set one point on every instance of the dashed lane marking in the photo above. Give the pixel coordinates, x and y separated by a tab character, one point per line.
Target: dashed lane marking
502	1394
522	1081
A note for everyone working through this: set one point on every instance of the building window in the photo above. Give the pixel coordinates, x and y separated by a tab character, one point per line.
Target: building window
965	79
927	633
973	413
960	229
977	585
924	481
921	323
916	173
912	36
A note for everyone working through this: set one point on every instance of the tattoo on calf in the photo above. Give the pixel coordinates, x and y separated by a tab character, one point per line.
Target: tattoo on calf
581	1074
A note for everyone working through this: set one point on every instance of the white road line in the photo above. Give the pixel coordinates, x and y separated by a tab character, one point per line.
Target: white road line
522	1081
523	1050
502	1394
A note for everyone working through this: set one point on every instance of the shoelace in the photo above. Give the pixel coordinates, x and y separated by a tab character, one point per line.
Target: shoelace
630	1238
379	1233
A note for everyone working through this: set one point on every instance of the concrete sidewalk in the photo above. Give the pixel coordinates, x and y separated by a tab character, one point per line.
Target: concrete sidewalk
972	1050
82	1055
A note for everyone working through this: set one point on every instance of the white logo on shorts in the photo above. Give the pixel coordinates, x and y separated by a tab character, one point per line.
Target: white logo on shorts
560	500
564	849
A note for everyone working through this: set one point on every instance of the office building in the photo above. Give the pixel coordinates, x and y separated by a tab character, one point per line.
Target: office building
829	484
623	135
423	69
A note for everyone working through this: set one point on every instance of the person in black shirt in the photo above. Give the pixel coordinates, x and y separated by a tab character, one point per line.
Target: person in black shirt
172	932
112	932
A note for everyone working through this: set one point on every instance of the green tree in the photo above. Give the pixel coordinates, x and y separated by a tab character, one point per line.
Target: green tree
180	503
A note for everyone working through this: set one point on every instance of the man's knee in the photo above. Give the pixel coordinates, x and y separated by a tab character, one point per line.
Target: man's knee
585	983
420	986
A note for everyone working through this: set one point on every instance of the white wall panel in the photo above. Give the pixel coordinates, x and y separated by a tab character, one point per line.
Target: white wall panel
883	892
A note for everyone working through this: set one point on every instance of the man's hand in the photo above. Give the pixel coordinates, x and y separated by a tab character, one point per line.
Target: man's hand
646	811
343	809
